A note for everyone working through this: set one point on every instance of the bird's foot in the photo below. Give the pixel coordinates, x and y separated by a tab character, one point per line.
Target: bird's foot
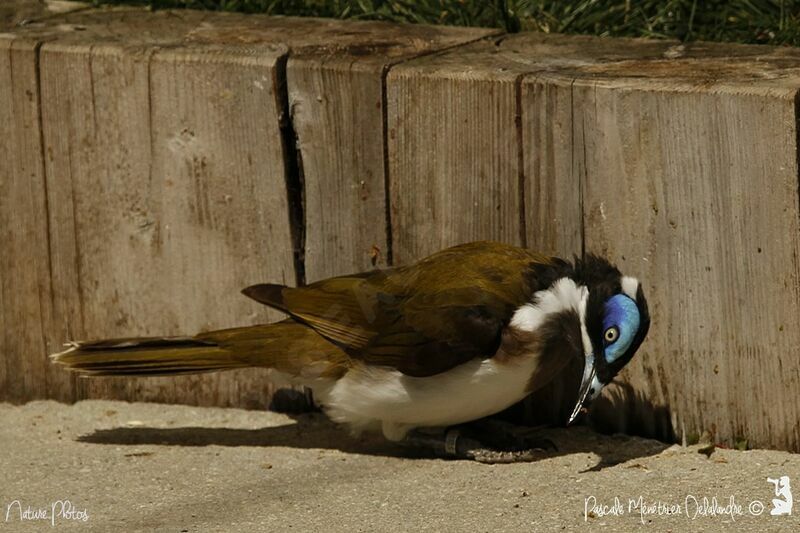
468	448
468	443
509	437
292	401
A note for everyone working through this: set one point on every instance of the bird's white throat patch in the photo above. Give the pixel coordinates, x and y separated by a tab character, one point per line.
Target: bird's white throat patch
563	295
630	286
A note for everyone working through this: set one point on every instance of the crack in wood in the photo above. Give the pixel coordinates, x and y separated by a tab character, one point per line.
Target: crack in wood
293	164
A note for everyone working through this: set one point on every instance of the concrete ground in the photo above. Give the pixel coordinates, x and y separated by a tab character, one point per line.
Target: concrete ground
150	467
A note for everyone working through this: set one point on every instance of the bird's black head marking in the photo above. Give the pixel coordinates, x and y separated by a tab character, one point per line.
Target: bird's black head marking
616	321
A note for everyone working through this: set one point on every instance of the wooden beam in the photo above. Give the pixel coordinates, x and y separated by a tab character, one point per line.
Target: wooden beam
655	154
688	172
25	292
168	196
335	80
167	173
172	141
16	12
337	100
453	148
695	192
473	146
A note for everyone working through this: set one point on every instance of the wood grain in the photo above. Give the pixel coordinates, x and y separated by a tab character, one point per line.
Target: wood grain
217	144
168	196
336	100
696	193
471	147
345	214
670	193
553	174
15	12
454	167
25	297
336	112
655	157
335	80
161	186
167	178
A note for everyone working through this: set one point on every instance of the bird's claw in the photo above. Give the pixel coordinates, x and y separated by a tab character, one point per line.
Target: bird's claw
507	437
491	442
464	447
489	456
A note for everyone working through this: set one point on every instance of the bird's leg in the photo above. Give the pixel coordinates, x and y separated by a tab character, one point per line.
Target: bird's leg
427	440
460	443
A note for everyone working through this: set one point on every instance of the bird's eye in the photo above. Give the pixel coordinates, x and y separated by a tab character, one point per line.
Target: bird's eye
611	334
621	323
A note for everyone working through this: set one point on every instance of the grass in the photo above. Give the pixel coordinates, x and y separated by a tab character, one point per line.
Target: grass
743	21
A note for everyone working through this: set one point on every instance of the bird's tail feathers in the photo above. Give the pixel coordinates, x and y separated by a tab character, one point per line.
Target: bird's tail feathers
287	346
146	356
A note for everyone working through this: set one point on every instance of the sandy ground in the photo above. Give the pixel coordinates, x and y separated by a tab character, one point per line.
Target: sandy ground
150	467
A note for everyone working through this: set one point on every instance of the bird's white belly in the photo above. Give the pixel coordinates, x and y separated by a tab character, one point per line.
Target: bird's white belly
370	396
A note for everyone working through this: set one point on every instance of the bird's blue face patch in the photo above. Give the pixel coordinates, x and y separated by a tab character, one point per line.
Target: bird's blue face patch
620	324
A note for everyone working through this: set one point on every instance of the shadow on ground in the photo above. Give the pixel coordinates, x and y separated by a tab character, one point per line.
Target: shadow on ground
315	431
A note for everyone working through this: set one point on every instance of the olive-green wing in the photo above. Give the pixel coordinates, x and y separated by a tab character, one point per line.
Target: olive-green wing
338	308
422	319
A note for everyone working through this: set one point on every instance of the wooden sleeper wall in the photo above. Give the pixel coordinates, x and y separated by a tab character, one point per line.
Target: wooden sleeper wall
155	163
154	171
678	162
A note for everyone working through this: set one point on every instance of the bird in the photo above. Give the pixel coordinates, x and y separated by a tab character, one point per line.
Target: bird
450	339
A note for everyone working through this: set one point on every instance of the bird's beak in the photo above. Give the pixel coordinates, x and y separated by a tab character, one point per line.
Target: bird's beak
589	389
